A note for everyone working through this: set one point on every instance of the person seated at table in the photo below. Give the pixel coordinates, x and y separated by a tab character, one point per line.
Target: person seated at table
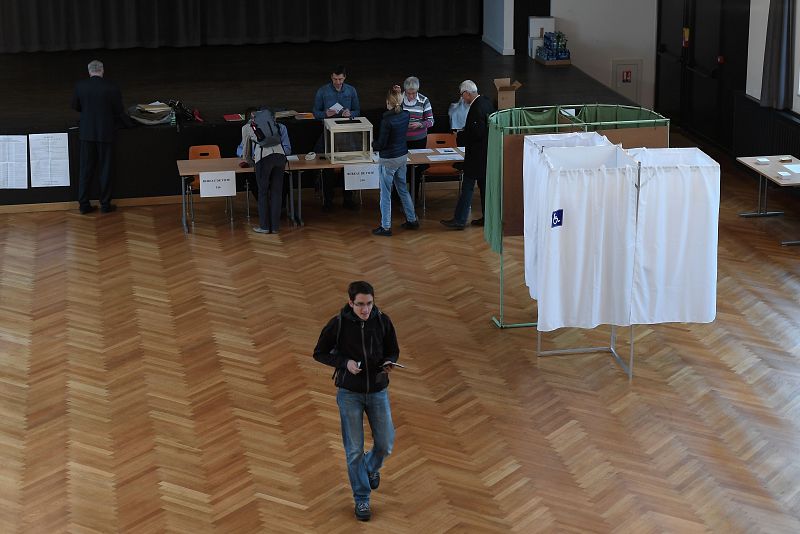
335	99
393	152
270	163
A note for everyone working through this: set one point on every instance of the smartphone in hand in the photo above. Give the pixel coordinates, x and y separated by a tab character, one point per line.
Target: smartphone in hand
389	363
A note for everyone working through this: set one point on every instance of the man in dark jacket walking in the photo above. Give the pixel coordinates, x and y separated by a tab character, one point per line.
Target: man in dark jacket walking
100	105
361	344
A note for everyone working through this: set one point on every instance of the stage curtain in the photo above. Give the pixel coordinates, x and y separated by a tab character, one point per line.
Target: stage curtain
52	25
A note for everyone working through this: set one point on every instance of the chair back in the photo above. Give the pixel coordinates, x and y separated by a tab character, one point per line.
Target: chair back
202	152
444	168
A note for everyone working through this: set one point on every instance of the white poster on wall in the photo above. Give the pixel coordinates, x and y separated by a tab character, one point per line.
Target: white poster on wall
49	160
218	184
365	176
13	162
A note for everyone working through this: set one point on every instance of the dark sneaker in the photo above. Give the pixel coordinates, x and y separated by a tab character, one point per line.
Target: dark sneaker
87	209
452	223
409	225
374	480
108	209
362	511
382	231
477	222
259	230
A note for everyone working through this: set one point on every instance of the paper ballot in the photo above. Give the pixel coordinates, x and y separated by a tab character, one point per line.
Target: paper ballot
336	108
49	160
13	162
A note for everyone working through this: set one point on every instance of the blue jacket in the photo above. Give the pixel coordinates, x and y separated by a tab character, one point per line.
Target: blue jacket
391	141
327	96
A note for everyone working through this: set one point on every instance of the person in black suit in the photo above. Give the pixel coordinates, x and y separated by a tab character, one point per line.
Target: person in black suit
474	138
100	104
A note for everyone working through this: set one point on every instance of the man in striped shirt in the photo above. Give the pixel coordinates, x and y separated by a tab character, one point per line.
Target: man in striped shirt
420	120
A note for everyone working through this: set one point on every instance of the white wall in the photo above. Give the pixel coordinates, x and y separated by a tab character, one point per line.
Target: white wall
599	31
498	25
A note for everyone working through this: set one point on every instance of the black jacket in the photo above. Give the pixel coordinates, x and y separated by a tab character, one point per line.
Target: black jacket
475	137
100	105
370	342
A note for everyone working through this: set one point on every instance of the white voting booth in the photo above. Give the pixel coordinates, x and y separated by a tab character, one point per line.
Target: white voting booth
535	168
619	237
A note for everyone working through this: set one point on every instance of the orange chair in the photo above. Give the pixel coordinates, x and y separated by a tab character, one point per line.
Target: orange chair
192	183
444	170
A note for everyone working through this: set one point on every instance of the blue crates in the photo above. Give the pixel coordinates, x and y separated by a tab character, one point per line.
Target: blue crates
554	48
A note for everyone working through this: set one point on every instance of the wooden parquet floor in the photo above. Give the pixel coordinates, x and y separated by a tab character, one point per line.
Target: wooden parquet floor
156	382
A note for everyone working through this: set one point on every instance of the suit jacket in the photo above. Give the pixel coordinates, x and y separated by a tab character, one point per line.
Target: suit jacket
100	105
475	137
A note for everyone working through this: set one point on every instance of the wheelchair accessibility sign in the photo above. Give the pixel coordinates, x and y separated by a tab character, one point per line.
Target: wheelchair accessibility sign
557	218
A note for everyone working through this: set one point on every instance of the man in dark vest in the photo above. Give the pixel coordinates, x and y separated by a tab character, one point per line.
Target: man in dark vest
100	105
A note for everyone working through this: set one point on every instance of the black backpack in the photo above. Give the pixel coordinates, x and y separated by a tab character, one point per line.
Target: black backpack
265	128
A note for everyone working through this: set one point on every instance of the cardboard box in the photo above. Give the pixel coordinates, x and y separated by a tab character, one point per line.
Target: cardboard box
506	92
533	44
538	26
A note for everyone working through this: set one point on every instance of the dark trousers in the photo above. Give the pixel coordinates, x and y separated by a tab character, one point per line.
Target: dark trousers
465	198
95	153
269	176
333	179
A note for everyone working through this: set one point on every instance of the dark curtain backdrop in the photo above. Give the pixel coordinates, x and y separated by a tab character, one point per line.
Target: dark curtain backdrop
52	25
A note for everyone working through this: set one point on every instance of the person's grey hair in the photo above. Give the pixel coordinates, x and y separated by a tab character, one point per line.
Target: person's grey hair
468	86
95	66
412	82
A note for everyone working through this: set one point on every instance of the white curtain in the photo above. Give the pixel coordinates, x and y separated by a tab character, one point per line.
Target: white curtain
675	269
534	174
585	259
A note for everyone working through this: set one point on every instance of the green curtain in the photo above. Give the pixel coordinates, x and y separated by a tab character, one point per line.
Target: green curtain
542	120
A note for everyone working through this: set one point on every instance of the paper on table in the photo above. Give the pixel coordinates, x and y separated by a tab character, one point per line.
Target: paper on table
446	157
292	158
462	148
336	108
49	160
762	161
793	168
784	174
13	162
420	150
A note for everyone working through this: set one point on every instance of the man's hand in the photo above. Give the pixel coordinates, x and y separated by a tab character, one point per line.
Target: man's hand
345	112
329	113
353	367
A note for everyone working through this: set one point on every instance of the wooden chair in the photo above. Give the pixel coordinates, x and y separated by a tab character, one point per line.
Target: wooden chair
443	171
192	183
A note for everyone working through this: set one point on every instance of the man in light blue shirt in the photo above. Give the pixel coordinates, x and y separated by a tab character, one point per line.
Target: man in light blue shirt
336	99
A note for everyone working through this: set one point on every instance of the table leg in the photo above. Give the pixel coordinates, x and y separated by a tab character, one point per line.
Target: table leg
761	210
410	181
291	199
300	198
183	205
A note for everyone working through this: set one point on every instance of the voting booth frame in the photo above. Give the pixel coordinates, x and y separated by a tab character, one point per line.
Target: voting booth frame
629	126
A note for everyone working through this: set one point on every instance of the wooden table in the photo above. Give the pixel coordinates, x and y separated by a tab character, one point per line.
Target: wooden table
768	168
190	167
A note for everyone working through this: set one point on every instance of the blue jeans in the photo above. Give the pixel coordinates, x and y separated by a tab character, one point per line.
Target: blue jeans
351	410
465	198
393	171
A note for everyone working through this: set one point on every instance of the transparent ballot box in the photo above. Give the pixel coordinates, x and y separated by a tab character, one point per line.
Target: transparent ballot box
348	140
